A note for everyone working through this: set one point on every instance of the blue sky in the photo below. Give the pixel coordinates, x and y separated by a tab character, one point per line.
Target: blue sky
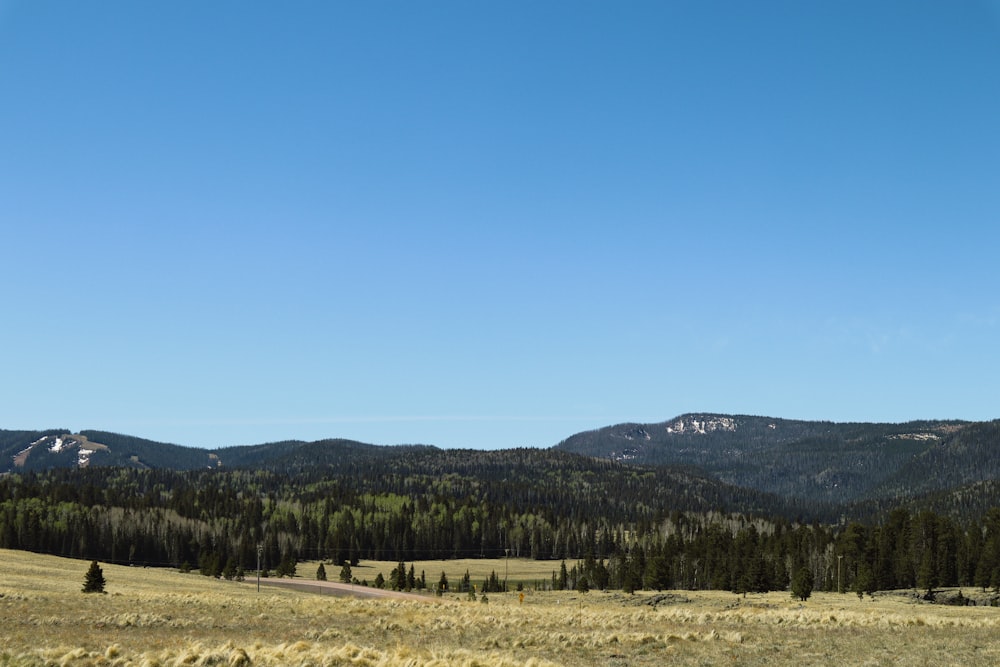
494	224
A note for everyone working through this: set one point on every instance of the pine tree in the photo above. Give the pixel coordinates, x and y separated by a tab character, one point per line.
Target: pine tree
927	575
321	572
345	573
93	581
802	583
864	582
287	567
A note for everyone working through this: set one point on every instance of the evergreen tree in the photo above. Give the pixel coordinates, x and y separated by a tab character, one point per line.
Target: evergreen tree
208	564
927	575
657	573
93	581
443	582
286	568
345	573
379	581
321	572
865	581
397	578
802	583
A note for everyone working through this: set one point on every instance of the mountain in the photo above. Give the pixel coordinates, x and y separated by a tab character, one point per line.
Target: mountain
23	451
813	461
57	448
294	456
767	464
548	476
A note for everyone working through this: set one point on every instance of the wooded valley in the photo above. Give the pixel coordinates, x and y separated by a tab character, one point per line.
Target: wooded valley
619	525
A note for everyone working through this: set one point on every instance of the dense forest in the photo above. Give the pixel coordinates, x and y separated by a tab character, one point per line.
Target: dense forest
622	526
814	461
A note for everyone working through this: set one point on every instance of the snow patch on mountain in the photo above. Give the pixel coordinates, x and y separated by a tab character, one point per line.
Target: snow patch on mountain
694	425
83	457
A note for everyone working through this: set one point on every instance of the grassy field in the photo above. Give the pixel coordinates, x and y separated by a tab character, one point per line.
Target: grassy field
519	570
157	617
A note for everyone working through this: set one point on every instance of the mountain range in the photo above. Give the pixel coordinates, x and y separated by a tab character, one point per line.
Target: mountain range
807	464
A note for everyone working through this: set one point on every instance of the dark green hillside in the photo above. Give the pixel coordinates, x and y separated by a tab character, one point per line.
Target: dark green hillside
14	446
962	503
694	462
54	448
58	448
539	480
293	456
399	504
925	495
129	451
625	526
816	461
964	456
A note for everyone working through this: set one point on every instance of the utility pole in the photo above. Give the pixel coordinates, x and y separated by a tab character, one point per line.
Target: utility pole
840	557
260	552
506	552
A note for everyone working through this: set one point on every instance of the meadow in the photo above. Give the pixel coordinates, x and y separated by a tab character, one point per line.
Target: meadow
157	617
529	573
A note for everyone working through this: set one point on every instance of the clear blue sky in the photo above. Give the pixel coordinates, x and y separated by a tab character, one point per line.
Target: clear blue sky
493	224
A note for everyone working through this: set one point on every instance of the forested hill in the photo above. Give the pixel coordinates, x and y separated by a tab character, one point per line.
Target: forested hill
98	495
22	451
830	462
537	479
818	467
401	503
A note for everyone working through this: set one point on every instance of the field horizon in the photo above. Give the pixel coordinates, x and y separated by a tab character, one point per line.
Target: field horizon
163	617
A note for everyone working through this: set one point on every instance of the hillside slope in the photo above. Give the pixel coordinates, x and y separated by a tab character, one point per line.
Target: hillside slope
817	461
816	466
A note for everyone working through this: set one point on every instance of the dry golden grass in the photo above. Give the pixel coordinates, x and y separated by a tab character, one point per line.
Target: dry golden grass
523	570
163	618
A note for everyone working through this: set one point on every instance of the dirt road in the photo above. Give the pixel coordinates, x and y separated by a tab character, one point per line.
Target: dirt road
340	589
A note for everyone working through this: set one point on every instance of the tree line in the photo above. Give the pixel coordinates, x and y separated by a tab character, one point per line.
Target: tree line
616	526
